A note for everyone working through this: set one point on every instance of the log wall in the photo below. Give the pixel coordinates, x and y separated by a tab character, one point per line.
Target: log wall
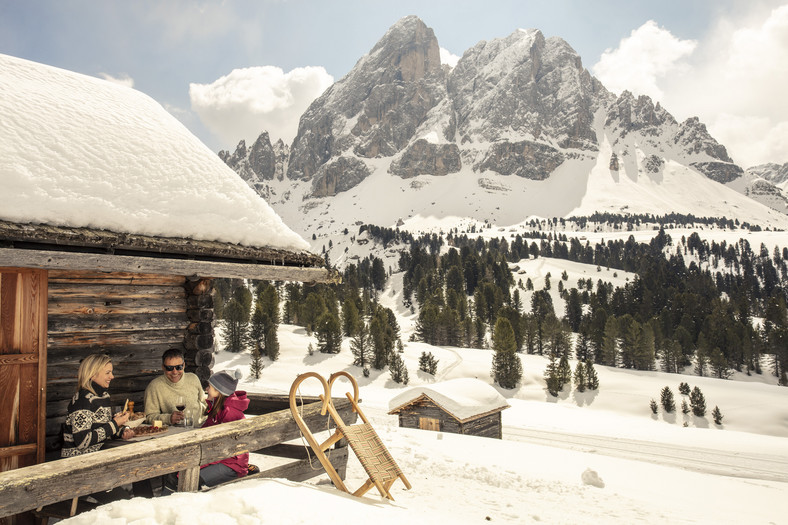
131	317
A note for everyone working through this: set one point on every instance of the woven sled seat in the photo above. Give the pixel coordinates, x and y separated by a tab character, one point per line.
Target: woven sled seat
373	455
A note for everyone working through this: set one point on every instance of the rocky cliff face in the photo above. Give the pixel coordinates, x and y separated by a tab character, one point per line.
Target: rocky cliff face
520	106
373	111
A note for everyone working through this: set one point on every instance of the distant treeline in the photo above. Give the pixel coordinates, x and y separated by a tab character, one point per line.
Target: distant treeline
683	314
671	314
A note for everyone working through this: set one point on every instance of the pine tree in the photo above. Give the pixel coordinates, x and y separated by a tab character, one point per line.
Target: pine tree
257	327
329	334
717	415
666	398
399	373
581	347
256	365
609	349
580	376
382	338
428	363
654	407
350	317
551	378
271	343
697	402
507	370
684	389
684	407
592	381
564	370
268	317
361	346
234	326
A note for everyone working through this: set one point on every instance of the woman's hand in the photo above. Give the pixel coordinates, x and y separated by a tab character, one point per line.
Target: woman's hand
127	434
121	419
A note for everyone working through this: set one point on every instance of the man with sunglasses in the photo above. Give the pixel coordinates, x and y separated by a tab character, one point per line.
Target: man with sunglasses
163	393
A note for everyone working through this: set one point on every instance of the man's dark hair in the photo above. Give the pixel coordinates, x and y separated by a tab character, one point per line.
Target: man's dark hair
172	352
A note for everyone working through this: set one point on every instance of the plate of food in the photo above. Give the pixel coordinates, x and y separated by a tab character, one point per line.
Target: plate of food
149	430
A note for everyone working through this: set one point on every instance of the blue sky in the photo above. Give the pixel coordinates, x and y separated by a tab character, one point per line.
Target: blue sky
284	52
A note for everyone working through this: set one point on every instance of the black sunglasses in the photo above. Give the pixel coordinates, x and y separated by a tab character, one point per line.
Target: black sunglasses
173	367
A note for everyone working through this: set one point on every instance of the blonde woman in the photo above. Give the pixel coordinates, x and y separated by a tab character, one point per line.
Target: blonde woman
90	423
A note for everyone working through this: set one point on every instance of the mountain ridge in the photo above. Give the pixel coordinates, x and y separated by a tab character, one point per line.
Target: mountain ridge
513	109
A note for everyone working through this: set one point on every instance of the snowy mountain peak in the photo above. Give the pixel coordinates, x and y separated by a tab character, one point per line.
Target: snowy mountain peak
523	106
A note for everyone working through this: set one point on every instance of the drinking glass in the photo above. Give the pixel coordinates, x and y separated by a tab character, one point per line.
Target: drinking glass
180	405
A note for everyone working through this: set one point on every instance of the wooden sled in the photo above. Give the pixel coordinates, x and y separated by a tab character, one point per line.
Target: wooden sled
364	441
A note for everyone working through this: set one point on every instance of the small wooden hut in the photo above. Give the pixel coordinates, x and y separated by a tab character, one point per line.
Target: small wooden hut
110	236
459	406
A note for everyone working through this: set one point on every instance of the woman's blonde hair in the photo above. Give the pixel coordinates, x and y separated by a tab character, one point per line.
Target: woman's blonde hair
89	367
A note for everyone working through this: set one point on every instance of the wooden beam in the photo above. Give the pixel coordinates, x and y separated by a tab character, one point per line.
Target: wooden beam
54	260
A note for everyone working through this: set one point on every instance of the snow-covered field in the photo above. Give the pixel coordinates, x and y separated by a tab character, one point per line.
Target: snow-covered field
593	457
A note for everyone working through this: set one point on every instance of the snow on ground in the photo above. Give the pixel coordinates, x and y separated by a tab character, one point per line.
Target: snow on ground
83	152
702	473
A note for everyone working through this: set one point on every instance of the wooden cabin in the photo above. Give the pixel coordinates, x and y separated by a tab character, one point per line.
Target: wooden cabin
114	221
459	406
66	293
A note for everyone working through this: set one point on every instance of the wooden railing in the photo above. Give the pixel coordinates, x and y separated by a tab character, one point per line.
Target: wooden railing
31	487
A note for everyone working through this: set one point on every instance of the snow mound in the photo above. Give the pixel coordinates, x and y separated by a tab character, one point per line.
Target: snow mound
83	152
590	477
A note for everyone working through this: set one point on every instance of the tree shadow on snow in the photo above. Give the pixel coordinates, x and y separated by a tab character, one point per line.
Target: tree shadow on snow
584	398
701	422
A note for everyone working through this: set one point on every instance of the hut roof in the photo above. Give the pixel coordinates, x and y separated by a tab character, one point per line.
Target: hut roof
463	398
92	165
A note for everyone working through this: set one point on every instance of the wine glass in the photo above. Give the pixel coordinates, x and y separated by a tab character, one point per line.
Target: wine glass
180	405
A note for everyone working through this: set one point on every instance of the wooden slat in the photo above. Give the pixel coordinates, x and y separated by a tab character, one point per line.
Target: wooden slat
8	298
77	291
18	450
51	260
9	408
115	322
43	290
118	337
87	277
18	359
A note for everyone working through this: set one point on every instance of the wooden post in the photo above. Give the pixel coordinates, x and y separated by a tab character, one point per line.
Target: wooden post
189	480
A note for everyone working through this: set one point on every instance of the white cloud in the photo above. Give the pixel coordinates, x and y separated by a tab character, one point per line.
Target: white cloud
737	86
123	80
448	58
734	78
249	101
642	59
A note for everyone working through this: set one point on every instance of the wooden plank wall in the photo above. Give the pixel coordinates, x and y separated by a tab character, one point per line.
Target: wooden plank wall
409	416
133	318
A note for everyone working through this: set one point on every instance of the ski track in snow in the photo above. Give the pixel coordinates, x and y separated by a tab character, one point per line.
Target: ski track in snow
709	461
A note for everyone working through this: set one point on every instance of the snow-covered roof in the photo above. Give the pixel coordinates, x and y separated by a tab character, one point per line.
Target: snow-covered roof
78	151
463	398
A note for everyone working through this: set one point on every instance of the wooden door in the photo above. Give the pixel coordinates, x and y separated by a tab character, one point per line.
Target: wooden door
23	340
429	423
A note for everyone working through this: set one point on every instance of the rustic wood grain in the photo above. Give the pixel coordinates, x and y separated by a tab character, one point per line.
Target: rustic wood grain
51	260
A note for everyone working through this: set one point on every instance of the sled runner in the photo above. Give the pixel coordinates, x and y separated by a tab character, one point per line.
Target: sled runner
383	471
